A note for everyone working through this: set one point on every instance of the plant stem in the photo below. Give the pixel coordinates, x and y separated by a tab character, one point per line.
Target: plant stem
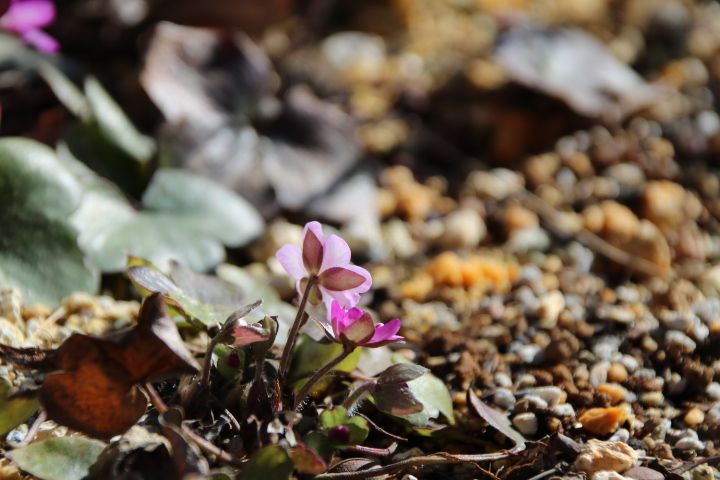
205	377
294	330
434	459
305	390
357	394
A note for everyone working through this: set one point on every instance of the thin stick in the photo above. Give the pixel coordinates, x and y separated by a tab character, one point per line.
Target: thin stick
377	452
305	390
294	330
204	445
590	240
419	461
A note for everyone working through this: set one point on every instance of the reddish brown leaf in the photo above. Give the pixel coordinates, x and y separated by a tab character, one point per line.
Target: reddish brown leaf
94	389
312	252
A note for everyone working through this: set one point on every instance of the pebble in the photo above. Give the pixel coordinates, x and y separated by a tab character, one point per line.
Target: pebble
713	414
644	473
616	392
526	423
608	475
694	417
464	228
652	399
551	304
617	373
621	435
679	338
527	353
603	421
497	184
597	455
528	240
551	395
690	443
563	410
504	398
536	401
713	390
502	379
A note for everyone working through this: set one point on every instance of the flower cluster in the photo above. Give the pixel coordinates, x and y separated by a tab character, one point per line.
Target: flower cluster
26	18
323	262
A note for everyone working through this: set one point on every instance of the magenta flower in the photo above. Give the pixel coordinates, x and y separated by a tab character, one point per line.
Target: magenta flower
355	327
25	18
325	260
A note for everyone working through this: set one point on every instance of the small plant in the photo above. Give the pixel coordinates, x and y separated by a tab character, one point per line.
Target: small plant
288	410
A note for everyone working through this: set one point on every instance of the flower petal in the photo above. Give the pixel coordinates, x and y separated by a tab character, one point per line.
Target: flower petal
290	257
312	251
337	317
385	333
336	253
360	331
341	279
41	40
345	299
26	15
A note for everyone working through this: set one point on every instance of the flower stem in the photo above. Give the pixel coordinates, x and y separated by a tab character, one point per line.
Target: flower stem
294	330
305	390
357	394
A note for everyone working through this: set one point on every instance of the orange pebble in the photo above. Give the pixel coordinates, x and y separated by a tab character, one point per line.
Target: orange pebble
603	421
617	373
616	393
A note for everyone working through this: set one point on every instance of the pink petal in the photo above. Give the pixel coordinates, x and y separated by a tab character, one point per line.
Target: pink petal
337	317
26	15
316	228
290	257
41	40
385	333
312	251
336	253
346	298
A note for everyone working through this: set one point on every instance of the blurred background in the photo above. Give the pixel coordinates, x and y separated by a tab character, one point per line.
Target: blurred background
188	130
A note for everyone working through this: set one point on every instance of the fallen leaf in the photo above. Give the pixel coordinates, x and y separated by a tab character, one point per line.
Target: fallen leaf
307	460
93	390
575	67
496	419
65	458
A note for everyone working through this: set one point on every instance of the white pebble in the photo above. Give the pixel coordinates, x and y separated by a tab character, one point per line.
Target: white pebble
552	395
504	398
713	390
526	423
503	380
563	410
536	401
680	339
620	435
608	475
690	443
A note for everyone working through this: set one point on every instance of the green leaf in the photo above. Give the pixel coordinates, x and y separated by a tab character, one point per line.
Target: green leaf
435	397
228	372
312	355
114	124
65	458
427	389
14	411
338	416
186	218
39	251
152	280
269	463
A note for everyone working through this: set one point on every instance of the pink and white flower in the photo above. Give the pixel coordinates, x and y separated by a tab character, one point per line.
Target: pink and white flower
355	327
325	259
25	18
